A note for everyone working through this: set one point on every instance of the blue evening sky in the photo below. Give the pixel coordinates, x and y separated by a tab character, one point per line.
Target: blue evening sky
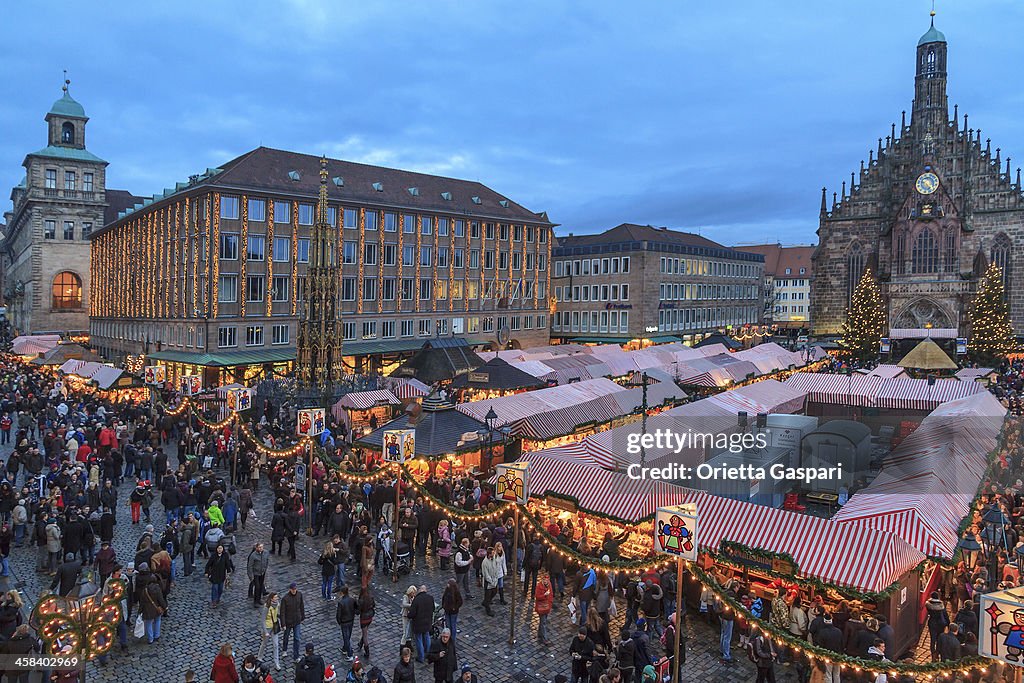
726	118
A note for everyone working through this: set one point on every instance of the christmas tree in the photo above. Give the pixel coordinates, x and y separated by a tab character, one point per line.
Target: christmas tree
991	332
865	319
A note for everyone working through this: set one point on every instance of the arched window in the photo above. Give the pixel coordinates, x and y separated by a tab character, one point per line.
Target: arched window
952	254
925	256
67	291
901	253
1001	257
854	268
929	63
67	133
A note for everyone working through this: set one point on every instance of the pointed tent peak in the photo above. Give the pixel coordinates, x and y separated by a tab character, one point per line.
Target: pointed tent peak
927	355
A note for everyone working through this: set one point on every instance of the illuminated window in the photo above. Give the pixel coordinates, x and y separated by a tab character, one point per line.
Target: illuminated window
67	291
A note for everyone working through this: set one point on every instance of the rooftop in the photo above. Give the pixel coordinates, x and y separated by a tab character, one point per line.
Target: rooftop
68	153
632	232
932	35
777	258
68	106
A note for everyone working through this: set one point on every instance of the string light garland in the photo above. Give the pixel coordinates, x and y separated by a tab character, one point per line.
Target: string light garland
243	258
214	257
269	215
295	256
88	625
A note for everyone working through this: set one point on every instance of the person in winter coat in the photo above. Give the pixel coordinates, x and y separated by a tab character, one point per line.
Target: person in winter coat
345	615
367	610
421	616
256	566
293	613
463	563
405	671
830	638
328	562
493	571
442	655
949	644
152	603
444	544
625	655
244	505
581	650
270	629
53	545
938	620
278	531
850	633
218	568
187	542
451	603
106	558
543	601
224	670
763	653
967	619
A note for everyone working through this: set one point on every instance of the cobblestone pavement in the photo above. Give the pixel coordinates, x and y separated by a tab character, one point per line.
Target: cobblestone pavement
192	631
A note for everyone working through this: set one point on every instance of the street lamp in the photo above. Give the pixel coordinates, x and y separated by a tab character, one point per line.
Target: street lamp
490	419
969	549
1019	557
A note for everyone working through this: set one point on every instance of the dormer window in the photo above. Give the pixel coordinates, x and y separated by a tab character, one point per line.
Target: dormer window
67	133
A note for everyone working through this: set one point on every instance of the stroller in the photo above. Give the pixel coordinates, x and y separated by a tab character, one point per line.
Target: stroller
438	624
403	553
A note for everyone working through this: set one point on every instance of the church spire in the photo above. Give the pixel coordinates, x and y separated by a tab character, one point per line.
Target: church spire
930	111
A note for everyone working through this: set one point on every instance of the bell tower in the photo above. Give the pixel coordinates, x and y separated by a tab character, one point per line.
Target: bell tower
66	121
930	110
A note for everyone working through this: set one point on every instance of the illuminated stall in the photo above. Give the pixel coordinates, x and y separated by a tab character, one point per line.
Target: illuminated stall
493	379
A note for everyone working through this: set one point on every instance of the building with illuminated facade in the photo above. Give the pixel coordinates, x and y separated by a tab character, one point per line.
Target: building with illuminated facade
208	276
636	282
787	285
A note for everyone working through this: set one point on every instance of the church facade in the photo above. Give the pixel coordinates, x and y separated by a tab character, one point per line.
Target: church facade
930	209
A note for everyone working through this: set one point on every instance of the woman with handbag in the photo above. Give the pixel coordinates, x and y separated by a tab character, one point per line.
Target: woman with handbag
271	629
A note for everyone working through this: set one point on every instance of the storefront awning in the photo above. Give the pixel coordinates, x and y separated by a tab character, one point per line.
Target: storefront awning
227	359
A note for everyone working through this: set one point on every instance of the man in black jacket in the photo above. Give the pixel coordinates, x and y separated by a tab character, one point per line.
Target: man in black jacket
581	649
421	616
345	615
830	638
442	654
67	574
310	669
949	644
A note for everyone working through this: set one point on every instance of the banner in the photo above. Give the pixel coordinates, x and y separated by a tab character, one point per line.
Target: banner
1001	632
191	385
884	346
240	400
399	445
961	346
311	422
675	531
155	374
513	483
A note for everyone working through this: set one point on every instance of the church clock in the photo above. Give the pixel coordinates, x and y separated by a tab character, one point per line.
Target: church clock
927	183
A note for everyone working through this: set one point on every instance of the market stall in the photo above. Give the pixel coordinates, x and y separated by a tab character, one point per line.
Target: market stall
360	410
494	378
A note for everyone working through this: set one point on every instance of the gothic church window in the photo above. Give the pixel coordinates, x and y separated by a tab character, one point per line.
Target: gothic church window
901	253
854	268
1001	256
952	256
925	256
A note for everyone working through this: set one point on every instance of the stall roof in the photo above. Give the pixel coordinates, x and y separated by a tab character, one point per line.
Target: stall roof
406	387
364	400
885	372
64	352
439	360
767	396
103	376
440	429
974	374
498	375
32	345
927	355
916	394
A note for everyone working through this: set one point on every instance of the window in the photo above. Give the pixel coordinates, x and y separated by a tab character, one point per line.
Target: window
227	337
457	257
426	225
424	327
408	288
408	255
281	285
87	182
348	289
350	218
624	321
70	181
473	325
624	292
254	335
625	264
66	291
489	258
503	260
474	258
426	289
229	207
1001	257
387	289
952	258
442	257
257	209
517	234
282	249
348	252
69	230
256	248
489	231
49	229
305	214
517	261
369	254
854	268
227	289
371	217
282	212
460	227
302	250
474	229
228	246
280	333
332	216
348	331
86	230
390	252
426	256
517	323
255	288
408	223
488	324
407	328
369	289
925	254
67	133
441	290
529	233
370	329
503	232
390	222
387	329
50	179
442	227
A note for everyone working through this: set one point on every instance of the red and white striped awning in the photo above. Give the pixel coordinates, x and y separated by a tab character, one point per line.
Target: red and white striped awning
836	389
408	387
364	400
916	394
768	396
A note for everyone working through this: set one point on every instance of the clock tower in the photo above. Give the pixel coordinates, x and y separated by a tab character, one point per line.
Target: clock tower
931	207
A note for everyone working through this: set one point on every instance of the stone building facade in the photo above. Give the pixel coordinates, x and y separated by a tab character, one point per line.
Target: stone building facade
787	285
933	205
60	202
636	282
210	274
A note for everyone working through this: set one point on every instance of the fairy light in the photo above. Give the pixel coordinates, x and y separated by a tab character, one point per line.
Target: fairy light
270	260
380	257
295	256
213	257
243	257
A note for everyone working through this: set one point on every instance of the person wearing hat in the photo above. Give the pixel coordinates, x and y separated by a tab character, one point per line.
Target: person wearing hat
467	675
311	668
330	676
830	637
581	650
649	675
293	613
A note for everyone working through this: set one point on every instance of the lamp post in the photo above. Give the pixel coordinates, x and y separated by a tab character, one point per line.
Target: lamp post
993	537
1019	557
490	419
969	549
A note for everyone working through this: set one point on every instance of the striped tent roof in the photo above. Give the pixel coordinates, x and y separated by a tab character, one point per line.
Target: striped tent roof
836	389
885	371
768	396
972	374
518	406
915	394
407	387
364	400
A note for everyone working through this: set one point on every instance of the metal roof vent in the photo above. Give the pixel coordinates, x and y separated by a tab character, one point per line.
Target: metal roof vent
379	187
414	191
295	175
338	180
503	202
447	196
476	200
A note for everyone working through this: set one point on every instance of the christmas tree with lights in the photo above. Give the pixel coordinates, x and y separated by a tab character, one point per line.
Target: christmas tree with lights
991	331
865	319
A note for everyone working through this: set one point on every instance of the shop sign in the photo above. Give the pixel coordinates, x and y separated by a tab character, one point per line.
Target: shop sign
1001	633
481	377
155	374
240	400
399	445
513	482
560	503
675	531
311	422
961	346
191	385
755	559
